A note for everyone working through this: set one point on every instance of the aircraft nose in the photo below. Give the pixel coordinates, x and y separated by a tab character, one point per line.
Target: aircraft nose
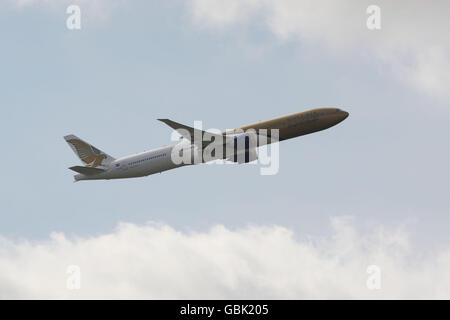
345	114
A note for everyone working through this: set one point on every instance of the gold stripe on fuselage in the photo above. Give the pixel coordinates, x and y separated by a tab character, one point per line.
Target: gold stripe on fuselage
298	124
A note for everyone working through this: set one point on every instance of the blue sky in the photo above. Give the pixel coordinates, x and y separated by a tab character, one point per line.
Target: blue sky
387	164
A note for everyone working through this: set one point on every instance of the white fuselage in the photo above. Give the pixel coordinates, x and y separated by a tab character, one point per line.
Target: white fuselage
138	165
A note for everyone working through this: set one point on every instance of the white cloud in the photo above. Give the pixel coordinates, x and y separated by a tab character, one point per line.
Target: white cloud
156	261
413	39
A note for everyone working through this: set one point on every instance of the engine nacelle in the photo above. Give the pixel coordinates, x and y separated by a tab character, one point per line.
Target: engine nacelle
241	148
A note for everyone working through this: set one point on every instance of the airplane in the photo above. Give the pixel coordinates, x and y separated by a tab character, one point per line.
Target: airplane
242	141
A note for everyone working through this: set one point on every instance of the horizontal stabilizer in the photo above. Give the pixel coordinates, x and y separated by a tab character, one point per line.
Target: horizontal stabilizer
86	170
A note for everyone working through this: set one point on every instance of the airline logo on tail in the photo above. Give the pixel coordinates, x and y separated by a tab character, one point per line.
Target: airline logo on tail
90	155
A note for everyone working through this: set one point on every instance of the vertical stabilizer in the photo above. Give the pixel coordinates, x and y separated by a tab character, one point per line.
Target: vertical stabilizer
88	154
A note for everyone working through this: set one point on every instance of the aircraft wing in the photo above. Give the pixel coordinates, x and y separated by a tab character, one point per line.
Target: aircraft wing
191	134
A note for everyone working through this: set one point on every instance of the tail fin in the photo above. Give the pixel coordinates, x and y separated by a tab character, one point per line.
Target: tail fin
90	155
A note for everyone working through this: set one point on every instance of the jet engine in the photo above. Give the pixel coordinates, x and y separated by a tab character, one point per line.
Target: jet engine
241	148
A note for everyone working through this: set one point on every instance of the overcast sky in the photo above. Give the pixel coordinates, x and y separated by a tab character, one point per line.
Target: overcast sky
373	190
